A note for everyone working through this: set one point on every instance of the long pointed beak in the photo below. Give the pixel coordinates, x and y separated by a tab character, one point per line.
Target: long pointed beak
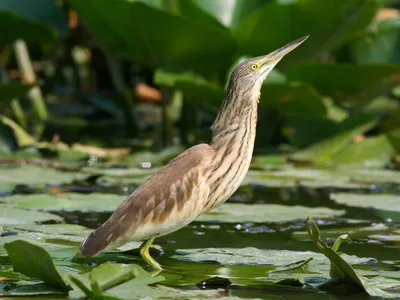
278	54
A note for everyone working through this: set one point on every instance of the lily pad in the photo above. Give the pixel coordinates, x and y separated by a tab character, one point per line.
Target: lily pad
36	175
13	215
381	201
245	256
94	202
235	212
386	206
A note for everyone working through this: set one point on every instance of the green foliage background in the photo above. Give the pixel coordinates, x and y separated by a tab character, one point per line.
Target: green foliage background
341	86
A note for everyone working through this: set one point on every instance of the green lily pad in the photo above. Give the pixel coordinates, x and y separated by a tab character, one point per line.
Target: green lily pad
246	256
36	175
386	206
13	215
381	201
35	262
94	202
234	212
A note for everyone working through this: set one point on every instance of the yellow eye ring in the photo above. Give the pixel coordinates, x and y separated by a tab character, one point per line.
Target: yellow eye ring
254	67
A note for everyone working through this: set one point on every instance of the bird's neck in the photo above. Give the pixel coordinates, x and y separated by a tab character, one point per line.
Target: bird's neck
236	121
234	133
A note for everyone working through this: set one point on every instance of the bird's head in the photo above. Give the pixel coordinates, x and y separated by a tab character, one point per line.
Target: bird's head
251	73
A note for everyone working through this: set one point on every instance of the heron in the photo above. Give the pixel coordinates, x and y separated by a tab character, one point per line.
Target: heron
200	178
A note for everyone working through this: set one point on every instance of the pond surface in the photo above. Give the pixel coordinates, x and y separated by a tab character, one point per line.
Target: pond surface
246	241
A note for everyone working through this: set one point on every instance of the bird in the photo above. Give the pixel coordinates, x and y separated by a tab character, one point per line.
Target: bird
200	178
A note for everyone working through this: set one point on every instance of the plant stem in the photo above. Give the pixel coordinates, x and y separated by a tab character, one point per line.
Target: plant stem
125	93
28	75
18	112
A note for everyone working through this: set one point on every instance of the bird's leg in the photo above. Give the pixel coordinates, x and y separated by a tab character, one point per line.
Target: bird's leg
144	253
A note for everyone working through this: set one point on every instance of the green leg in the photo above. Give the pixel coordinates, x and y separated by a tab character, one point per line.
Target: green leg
144	253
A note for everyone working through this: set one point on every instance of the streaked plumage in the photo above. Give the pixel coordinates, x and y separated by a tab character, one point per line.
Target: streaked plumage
201	177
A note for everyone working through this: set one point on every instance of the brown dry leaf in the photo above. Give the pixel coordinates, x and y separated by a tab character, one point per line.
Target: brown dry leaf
148	93
359	138
101	152
387	13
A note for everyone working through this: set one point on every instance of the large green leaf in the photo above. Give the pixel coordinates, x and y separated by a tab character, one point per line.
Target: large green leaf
348	82
230	12
379	44
123	26
45	11
292	98
9	91
35	262
280	22
13	27
371	152
324	152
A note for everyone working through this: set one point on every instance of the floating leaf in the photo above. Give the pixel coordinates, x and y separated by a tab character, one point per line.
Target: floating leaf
232	213
12	216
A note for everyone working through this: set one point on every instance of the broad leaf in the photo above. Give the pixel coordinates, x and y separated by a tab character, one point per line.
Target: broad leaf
122	26
35	262
9	91
351	83
280	22
13	27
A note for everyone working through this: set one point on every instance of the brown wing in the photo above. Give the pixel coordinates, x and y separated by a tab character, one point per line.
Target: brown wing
164	194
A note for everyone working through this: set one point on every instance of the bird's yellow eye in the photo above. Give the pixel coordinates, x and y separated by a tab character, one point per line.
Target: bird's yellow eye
254	67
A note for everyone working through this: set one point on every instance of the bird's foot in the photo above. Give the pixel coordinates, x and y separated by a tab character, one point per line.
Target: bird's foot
144	253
